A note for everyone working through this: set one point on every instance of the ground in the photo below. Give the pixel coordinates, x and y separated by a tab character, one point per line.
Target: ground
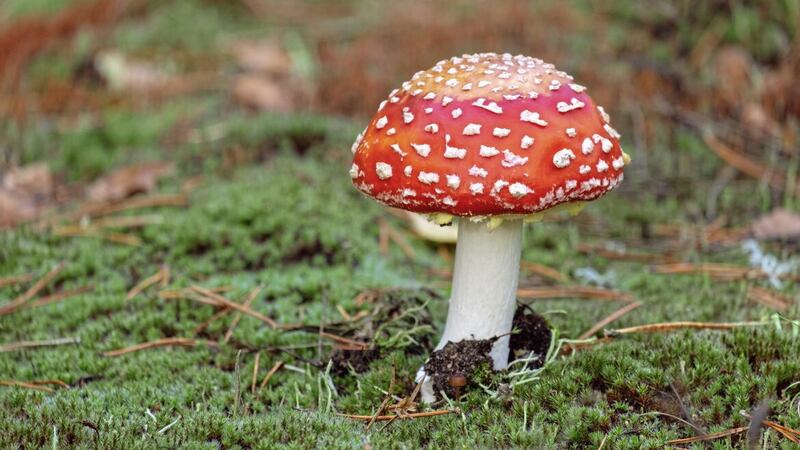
270	205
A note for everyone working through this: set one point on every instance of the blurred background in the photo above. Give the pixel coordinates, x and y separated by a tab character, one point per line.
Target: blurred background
706	93
157	155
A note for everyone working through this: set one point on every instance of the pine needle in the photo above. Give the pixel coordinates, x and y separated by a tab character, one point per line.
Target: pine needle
166	342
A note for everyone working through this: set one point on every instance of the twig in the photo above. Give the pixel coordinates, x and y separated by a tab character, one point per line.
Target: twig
672	326
571	347
210	320
22	345
144	284
15	279
255	373
166	342
176	294
225	302
235	322
396	416
127	221
789	433
51	382
32	291
170	425
584	292
708	437
22	384
610	318
271	372
59	296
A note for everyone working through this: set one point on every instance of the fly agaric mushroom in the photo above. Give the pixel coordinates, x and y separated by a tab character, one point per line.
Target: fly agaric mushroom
494	140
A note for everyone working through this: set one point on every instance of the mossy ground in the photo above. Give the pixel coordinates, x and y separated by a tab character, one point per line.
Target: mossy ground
291	222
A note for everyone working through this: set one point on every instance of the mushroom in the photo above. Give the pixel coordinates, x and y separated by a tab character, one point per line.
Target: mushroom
494	140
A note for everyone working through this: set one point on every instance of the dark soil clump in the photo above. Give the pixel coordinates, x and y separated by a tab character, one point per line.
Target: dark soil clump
342	361
464	358
532	335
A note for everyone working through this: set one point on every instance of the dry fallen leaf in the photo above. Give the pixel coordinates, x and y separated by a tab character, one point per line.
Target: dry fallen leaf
266	57
14	209
778	224
124	182
33	179
733	66
24	193
123	73
262	94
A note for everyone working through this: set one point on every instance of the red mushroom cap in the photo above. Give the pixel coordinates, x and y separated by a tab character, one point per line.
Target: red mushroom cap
487	134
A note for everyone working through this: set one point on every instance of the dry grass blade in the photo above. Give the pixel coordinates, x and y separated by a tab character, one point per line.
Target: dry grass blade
673	326
708	437
789	433
32	291
270	374
585	292
15	279
23	345
78	231
22	384
140	202
398	238
247	302
769	298
399	416
345	341
178	294
743	163
127	221
59	296
610	318
146	283
51	382
166	342
714	270
385	401
255	373
577	346
222	301
622	255
543	271
217	315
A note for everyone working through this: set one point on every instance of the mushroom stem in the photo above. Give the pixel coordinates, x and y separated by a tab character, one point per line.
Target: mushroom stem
483	298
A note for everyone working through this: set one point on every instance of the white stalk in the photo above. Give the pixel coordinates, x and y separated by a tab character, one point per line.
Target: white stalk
485	276
483	298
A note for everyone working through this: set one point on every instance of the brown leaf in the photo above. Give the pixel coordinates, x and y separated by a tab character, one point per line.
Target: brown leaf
34	179
266	57
24	193
124	182
778	224
262	94
14	209
733	67
125	74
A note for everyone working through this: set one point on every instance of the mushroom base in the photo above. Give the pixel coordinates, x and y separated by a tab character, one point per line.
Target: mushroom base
485	276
